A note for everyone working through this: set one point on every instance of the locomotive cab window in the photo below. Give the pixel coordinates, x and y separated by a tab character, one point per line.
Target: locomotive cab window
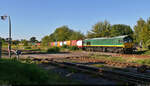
127	40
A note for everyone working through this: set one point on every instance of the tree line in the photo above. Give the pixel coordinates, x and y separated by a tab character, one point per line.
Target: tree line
24	42
140	32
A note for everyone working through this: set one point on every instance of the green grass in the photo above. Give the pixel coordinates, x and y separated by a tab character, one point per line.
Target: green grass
142	61
13	72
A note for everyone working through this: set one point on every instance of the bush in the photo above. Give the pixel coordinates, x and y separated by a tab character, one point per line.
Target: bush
149	47
53	49
27	47
65	46
73	48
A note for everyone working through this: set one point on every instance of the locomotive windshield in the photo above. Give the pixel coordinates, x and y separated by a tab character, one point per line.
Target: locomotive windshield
127	40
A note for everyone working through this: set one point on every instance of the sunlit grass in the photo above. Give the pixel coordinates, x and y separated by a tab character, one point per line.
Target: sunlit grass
13	72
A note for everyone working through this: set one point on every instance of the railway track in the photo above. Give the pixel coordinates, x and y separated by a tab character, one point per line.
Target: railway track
120	55
127	77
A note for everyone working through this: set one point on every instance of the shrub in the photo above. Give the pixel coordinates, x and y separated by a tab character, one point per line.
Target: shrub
27	47
149	47
53	49
73	48
65	46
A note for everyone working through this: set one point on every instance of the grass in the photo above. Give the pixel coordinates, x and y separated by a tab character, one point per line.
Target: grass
143	61
13	72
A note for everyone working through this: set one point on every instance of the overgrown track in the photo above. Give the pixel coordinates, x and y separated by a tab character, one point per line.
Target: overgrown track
128	77
110	63
121	55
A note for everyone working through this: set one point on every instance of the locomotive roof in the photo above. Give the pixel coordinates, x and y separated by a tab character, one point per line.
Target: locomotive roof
108	37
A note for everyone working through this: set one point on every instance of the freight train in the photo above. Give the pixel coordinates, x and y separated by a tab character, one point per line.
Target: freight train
119	44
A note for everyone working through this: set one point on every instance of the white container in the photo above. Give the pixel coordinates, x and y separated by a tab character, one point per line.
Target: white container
61	43
79	43
65	42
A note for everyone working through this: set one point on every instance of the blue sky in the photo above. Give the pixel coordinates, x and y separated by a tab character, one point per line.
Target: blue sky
40	17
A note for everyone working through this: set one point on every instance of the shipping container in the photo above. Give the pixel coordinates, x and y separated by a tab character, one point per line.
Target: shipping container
38	44
61	43
65	42
58	44
73	42
55	44
80	43
68	43
52	44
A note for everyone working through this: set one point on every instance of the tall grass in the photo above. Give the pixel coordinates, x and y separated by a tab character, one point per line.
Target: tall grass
13	72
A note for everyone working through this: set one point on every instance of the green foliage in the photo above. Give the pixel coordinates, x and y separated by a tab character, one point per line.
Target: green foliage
65	46
100	29
24	42
61	34
45	41
145	61
27	47
73	48
15	42
53	50
121	29
76	36
33	40
142	32
16	73
3	40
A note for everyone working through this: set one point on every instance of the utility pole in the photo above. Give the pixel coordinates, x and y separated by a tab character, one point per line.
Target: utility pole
9	38
9	43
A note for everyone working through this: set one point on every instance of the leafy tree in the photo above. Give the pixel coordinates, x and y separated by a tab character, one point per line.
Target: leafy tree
15	42
142	31
33	40
24	42
100	29
121	29
61	34
76	36
2	40
45	40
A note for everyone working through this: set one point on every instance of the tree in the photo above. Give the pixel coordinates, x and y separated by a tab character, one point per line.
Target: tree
45	40
15	42
61	34
77	36
33	40
100	29
2	40
142	31
24	42
120	29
